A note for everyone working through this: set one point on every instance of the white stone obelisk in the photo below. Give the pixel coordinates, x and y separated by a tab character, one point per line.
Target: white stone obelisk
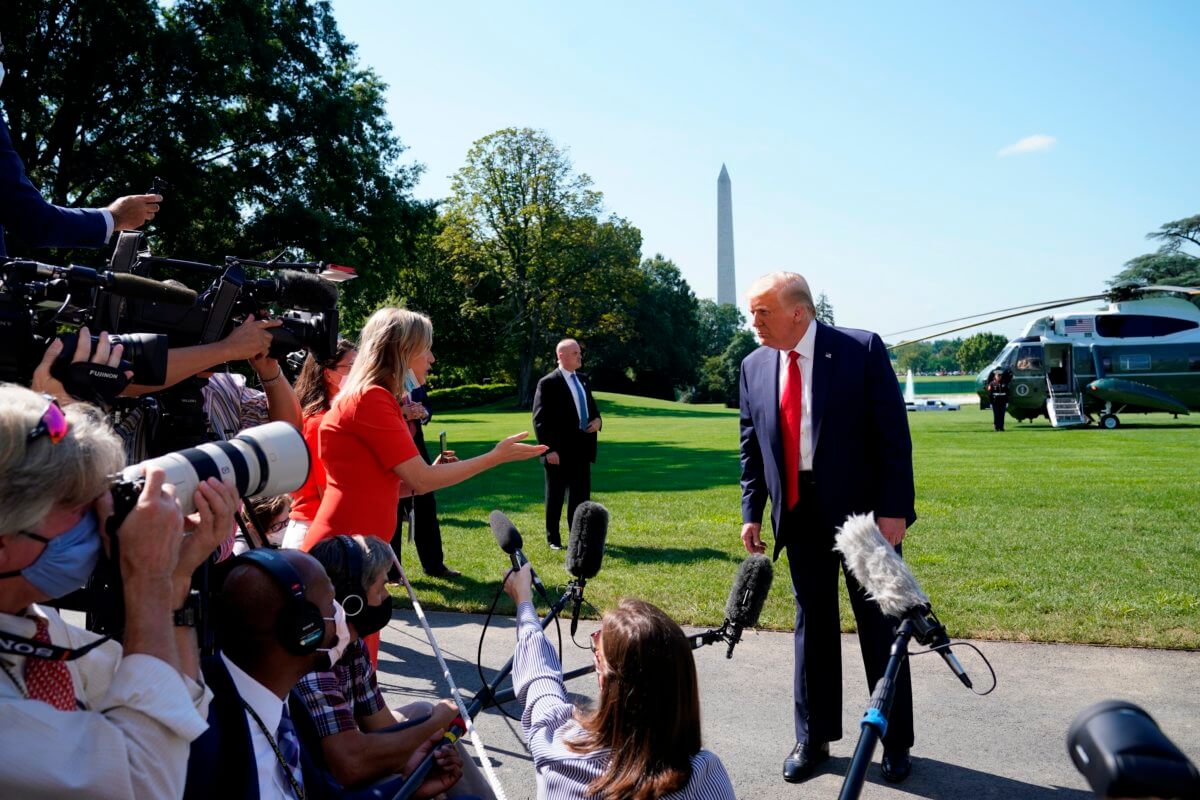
726	278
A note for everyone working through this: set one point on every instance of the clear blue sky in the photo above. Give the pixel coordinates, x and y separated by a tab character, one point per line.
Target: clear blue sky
863	140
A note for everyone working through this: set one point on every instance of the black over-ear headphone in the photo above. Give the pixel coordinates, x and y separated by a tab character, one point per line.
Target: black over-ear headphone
301	625
350	591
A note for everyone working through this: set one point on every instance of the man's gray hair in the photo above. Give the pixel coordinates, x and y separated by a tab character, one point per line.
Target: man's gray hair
792	288
39	476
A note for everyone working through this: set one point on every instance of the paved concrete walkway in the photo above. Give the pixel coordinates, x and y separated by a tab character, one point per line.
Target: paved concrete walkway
1010	744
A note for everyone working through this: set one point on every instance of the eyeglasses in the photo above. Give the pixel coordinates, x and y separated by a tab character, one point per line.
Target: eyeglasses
278	526
52	424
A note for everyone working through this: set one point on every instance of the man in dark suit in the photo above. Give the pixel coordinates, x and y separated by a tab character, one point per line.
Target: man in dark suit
261	741
824	434
566	419
40	224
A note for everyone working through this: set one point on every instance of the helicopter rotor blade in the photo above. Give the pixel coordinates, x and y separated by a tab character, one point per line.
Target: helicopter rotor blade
1188	290
1059	304
997	311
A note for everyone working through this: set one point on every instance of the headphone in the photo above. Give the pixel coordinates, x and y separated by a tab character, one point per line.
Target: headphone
349	590
301	625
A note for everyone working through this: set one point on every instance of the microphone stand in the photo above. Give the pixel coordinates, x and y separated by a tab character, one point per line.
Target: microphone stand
478	703
875	720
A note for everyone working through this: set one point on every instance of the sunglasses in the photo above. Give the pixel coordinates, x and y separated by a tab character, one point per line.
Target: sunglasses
53	423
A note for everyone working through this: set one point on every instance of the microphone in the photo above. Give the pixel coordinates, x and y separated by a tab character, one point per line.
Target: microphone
127	284
750	588
887	580
509	540
585	549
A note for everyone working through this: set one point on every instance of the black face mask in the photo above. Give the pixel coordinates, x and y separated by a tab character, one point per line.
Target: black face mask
372	618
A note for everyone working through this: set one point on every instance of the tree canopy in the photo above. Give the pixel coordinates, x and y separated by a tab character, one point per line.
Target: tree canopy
1172	263
979	349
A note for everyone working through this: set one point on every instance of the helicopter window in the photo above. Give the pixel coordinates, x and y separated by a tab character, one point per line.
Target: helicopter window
1139	363
1194	363
1123	326
1029	358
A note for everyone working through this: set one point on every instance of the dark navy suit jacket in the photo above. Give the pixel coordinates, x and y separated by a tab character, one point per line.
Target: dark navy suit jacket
36	222
862	452
556	418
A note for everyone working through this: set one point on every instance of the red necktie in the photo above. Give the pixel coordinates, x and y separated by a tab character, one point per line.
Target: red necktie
789	423
46	680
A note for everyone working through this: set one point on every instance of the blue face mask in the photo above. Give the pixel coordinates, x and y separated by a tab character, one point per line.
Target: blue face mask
68	560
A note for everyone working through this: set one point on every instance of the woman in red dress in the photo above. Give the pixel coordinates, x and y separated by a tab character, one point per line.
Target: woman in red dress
364	441
316	387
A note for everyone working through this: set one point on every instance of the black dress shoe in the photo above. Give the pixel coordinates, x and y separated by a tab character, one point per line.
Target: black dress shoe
804	758
896	765
445	572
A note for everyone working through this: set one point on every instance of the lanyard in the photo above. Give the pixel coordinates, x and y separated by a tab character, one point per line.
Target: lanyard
299	790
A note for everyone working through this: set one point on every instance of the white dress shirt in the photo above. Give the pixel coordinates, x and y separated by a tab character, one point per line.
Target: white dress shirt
571	386
130	739
805	348
269	707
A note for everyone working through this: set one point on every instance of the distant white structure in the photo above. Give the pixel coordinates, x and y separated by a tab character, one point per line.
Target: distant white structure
726	277
910	389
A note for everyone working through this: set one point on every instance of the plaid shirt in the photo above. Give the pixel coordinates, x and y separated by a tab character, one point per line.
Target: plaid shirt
337	699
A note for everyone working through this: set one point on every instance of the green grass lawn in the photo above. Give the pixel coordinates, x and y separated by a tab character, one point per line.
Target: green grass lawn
1032	534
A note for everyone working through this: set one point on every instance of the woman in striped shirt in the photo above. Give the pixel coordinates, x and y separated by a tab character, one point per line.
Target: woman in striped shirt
642	741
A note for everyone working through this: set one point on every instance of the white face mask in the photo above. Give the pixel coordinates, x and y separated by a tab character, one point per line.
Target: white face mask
343	635
1	73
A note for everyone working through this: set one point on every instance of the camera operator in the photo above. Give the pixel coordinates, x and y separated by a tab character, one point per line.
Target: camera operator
38	223
104	355
109	720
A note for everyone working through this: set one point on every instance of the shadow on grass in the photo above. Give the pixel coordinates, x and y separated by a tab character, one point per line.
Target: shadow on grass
681	410
642	554
622	467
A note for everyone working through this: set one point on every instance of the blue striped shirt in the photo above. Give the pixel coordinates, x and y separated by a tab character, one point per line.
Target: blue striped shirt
548	720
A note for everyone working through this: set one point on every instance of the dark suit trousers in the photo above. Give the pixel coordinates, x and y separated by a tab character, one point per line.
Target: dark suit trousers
817	691
572	479
427	531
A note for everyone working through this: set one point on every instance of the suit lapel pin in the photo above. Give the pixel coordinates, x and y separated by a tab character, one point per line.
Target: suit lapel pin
829	355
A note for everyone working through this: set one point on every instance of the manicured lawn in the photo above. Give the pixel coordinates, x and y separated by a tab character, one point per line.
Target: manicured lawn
1032	534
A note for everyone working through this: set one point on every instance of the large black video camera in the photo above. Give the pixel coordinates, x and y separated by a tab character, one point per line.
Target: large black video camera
294	293
39	302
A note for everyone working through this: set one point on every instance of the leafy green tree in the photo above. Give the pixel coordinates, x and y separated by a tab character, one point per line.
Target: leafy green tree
824	309
717	323
915	356
523	235
720	374
1171	263
256	113
978	350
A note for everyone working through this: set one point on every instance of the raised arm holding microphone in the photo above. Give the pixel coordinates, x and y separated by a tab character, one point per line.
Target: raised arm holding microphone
824	434
642	741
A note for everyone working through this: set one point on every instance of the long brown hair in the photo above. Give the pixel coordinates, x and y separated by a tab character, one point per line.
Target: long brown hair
649	710
311	389
389	340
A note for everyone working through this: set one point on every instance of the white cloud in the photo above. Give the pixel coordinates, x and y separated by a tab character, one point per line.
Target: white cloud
1030	144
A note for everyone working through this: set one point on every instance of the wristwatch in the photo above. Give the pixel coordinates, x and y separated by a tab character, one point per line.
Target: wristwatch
188	615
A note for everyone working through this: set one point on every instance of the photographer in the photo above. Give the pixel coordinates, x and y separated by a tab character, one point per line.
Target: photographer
108	721
84	389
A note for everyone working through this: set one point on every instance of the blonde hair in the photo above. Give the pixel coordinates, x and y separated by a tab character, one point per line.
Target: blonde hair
37	477
391	338
792	287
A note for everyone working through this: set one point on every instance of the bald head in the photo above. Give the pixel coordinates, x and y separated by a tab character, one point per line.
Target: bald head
570	355
252	600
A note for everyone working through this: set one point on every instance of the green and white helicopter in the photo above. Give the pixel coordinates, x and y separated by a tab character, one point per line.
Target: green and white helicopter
1139	355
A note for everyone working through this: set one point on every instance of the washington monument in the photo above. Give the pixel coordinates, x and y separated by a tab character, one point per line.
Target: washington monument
726	281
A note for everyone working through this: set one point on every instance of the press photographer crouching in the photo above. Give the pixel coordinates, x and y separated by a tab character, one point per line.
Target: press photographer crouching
80	715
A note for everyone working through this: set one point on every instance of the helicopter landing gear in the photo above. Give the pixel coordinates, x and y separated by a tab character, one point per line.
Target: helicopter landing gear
1109	421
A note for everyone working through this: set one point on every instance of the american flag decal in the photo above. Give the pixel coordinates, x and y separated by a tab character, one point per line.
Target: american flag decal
1079	325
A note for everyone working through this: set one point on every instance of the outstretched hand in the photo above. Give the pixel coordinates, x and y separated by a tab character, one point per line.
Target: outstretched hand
511	449
447	767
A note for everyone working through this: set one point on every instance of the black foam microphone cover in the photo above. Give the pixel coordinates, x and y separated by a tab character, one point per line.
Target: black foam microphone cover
304	290
750	589
135	286
505	532
585	547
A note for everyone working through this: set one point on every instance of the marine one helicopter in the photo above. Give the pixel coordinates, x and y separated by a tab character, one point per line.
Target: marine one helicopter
1139	355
